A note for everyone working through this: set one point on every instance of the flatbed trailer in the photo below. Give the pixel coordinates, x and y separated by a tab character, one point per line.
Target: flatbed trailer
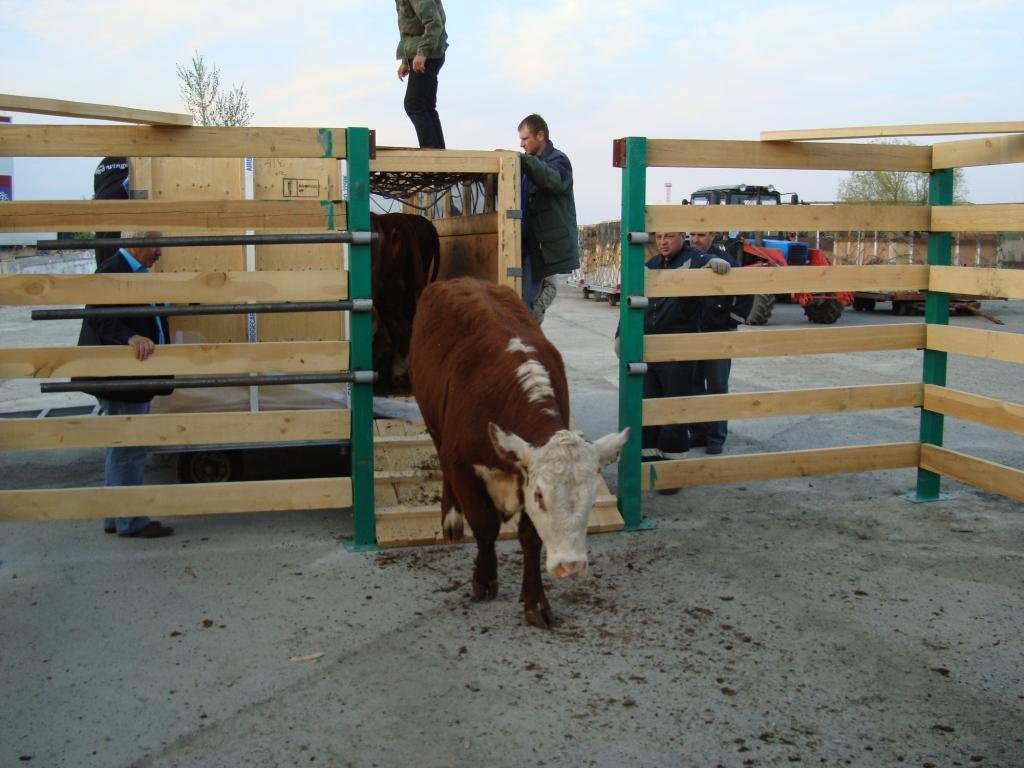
912	303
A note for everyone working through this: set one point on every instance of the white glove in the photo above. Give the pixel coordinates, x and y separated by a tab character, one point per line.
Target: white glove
720	266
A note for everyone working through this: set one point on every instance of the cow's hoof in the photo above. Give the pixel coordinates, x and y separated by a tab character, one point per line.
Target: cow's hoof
487	591
539	617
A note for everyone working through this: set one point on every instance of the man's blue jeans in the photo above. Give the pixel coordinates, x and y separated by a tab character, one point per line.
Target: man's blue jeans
124	466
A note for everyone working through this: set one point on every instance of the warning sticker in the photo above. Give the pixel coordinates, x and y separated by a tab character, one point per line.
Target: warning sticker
300	188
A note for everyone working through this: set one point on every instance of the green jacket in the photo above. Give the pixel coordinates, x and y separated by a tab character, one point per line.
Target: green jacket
421	26
550	235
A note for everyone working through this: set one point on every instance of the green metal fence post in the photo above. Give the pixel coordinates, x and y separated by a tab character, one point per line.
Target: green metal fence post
936	312
361	340
631	156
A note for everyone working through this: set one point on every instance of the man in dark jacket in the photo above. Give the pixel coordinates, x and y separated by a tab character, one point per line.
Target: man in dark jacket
421	49
673	315
109	182
719	313
125	466
550	238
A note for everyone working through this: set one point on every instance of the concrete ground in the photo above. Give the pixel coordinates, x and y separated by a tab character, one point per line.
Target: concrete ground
814	621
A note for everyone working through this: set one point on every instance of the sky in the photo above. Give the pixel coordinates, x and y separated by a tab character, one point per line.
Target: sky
595	69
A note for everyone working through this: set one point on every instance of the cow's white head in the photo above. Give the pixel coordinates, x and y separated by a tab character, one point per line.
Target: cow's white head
559	481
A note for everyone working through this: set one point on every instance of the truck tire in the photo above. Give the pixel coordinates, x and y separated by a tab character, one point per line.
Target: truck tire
761	309
824	311
209	466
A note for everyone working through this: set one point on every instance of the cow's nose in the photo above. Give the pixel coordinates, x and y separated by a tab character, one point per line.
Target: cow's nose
565	570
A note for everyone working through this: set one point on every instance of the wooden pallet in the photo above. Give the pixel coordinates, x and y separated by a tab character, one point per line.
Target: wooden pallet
407	490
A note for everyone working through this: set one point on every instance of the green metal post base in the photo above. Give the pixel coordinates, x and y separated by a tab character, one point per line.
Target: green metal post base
352	546
643	525
913	497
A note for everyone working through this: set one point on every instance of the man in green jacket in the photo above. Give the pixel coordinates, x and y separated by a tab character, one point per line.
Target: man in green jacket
550	237
421	48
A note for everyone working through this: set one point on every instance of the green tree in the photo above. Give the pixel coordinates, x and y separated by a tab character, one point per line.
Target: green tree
200	90
894	187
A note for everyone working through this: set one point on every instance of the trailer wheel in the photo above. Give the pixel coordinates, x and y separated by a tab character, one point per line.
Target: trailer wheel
209	466
586	293
761	309
613	299
825	311
864	305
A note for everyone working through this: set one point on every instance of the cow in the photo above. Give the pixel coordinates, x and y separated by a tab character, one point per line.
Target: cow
494	398
405	257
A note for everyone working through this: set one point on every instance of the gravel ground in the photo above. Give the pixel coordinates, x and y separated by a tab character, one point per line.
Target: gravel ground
813	621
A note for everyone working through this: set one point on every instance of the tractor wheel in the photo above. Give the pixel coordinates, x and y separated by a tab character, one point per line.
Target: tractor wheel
761	309
864	305
823	310
209	466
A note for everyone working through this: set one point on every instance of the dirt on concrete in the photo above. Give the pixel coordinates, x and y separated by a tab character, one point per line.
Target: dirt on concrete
814	621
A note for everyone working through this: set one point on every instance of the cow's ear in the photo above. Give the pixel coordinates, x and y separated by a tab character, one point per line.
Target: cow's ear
509	447
608	447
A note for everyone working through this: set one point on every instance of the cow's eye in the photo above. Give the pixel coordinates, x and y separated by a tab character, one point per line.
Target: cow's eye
538	499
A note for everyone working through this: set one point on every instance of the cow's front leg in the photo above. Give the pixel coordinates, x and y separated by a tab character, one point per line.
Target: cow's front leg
485	569
536	609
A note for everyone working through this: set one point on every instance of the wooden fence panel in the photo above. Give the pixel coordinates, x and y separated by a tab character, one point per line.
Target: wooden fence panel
974	342
998	414
987	475
976	281
691	153
703	282
773	218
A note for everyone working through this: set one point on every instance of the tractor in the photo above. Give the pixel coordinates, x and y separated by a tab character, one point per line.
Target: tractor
753	250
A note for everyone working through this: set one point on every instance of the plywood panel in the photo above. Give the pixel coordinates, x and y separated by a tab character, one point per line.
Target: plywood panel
689	153
771	343
758	218
980	473
175	179
795	402
296	179
689	473
178	500
470	256
704	282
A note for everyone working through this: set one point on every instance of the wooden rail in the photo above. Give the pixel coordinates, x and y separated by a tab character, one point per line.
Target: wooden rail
998	414
175	359
974	342
977	281
777	343
987	475
793	402
177	500
704	282
719	470
997	150
62	108
997	217
722	218
173	287
695	153
173	429
883	131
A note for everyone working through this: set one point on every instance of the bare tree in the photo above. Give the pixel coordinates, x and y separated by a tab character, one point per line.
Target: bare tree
894	187
200	90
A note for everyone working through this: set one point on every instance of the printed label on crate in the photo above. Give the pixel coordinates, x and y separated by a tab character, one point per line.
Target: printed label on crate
300	188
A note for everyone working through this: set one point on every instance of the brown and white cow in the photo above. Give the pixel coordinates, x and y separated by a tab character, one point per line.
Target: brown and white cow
493	394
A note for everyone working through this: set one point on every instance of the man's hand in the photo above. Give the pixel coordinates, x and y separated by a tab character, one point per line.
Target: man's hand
403	70
141	346
720	266
419	64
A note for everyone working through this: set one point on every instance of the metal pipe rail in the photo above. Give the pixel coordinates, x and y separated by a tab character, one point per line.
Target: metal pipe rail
149	383
184	241
353	305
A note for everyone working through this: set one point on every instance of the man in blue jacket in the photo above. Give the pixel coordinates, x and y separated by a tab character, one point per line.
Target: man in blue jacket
550	235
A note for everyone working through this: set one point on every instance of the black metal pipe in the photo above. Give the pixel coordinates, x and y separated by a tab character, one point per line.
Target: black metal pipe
194	382
183	241
354	305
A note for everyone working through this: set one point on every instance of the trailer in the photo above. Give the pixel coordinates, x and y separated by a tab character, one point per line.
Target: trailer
912	303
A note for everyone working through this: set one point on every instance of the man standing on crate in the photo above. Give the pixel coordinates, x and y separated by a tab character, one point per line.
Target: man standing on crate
550	238
719	313
421	48
141	335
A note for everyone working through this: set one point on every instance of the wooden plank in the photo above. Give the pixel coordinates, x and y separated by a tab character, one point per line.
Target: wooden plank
178	500
998	414
172	287
974	342
156	141
719	470
704	282
886	131
995	150
174	359
174	429
435	160
995	217
509	229
773	343
475	224
795	402
82	109
700	153
987	475
757	218
169	217
289	179
977	281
